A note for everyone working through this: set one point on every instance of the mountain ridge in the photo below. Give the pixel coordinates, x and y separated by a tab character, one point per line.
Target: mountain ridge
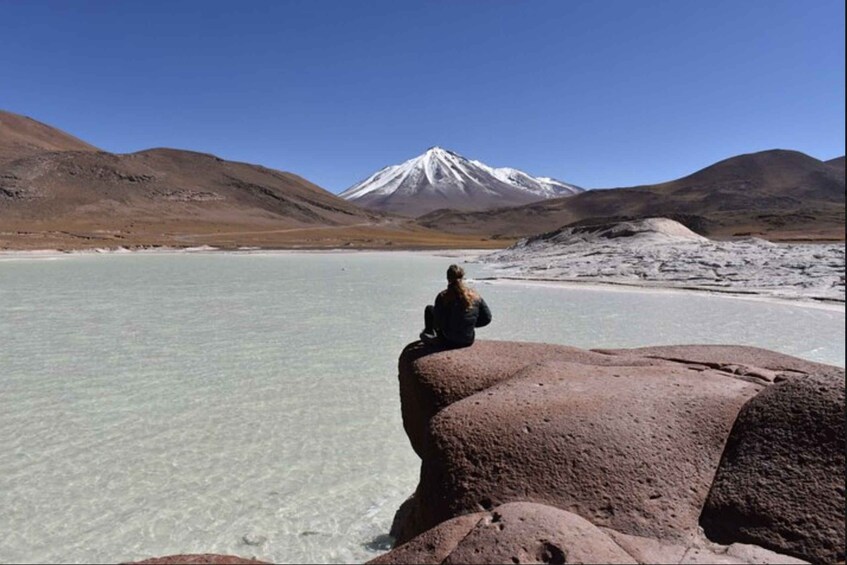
778	193
22	136
54	183
441	178
838	163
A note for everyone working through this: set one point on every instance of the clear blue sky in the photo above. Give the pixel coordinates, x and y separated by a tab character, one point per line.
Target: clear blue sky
598	93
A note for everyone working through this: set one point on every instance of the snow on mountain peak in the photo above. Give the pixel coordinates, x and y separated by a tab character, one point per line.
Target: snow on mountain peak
440	178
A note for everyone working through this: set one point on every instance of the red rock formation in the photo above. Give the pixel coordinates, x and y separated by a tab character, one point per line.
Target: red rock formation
781	481
629	440
432	378
433	546
520	532
525	532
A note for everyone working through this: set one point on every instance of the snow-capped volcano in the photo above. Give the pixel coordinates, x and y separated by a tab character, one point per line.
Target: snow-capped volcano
443	179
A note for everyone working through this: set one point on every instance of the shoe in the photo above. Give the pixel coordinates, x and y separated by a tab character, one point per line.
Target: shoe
428	337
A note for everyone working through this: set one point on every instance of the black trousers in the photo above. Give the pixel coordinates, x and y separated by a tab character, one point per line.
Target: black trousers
429	319
431	336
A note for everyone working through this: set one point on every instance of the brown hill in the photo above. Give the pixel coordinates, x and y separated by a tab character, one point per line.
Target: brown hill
838	163
162	184
21	136
60	192
776	194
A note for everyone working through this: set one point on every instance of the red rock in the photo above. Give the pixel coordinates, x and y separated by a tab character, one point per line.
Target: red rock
520	532
524	532
434	545
629	439
432	378
754	554
781	481
733	358
648	550
630	448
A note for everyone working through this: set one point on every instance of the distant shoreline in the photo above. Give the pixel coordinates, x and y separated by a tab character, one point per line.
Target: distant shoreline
464	254
613	286
43	253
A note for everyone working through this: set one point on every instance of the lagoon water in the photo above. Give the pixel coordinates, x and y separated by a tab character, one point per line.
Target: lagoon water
247	403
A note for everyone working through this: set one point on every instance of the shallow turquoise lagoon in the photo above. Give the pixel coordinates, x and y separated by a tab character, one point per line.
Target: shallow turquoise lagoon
247	403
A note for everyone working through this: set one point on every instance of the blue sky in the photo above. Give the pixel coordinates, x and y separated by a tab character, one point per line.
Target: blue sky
599	93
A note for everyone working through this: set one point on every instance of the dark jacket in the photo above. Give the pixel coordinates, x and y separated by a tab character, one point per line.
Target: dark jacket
455	324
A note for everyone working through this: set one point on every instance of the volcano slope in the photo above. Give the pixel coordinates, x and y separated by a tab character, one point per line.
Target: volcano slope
440	178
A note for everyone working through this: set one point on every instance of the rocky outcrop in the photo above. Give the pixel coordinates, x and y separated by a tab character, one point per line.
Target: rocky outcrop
434	545
659	252
431	379
781	481
738	360
627	440
525	532
519	532
630	448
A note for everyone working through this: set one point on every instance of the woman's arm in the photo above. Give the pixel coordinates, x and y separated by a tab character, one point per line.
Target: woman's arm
440	313
484	317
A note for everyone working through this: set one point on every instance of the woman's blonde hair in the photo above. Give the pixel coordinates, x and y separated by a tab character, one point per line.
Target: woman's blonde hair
456	289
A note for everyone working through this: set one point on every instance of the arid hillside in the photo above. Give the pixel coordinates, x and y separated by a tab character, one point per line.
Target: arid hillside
59	192
838	163
21	136
777	194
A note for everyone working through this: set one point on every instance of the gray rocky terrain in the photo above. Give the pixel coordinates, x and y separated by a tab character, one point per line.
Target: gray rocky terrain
663	253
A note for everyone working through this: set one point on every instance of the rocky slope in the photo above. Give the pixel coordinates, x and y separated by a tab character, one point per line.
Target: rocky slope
46	173
659	252
164	184
838	163
774	194
443	179
546	453
21	136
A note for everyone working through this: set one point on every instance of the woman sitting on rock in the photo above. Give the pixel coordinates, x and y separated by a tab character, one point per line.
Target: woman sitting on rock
457	311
